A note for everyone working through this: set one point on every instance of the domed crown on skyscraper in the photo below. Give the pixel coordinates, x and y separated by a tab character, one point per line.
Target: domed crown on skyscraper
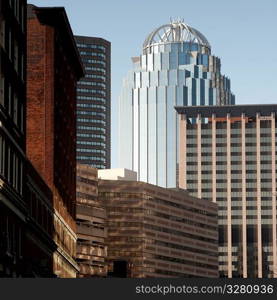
175	32
176	68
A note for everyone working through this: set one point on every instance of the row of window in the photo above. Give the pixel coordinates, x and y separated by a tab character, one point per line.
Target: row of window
18	8
39	211
92	135
91	91
10	101
96	76
85	180
91	113
103	152
94	61
90	46
101	55
91	128
100	159
103	85
90	68
180	206
84	120
11	165
91	143
13	49
91	98
88	105
11	234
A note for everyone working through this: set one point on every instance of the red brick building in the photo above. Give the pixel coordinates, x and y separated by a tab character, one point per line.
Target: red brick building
53	69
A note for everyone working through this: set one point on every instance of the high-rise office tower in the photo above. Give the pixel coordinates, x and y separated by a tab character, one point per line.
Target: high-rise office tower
94	103
53	69
229	157
175	68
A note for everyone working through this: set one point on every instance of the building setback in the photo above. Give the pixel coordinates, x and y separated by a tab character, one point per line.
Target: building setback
94	103
229	157
91	225
54	67
158	232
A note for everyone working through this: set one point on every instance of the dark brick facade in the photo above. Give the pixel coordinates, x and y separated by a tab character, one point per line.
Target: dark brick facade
53	70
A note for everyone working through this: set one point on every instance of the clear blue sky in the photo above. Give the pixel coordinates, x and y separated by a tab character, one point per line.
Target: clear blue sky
243	33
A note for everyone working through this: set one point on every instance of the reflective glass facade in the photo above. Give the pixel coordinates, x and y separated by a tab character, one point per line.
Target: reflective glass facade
173	71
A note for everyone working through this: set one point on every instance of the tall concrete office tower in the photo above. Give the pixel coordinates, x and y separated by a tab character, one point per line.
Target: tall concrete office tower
229	157
94	103
175	68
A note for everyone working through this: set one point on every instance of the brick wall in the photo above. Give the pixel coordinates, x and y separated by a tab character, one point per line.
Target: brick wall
40	98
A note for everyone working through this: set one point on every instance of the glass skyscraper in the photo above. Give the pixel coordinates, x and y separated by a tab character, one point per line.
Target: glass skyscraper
94	103
176	68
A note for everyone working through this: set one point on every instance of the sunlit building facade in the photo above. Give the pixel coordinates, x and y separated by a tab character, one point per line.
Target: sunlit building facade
158	232
229	157
175	68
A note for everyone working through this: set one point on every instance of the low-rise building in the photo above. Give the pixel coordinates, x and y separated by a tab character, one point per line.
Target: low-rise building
158	232
91	225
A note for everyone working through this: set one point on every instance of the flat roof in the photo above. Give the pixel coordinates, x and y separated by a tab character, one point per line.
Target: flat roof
249	110
56	17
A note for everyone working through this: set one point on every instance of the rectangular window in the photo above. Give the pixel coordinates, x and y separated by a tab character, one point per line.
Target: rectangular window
15	110
1	155
15	56
2	89
2	31
10	44
15	166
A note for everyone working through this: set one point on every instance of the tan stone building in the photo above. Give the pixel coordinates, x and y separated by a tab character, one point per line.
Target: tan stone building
91	225
158	232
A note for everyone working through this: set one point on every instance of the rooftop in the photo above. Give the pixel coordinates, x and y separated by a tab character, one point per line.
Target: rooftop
176	31
249	110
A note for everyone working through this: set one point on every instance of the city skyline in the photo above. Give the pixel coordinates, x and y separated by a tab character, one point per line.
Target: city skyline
224	25
204	163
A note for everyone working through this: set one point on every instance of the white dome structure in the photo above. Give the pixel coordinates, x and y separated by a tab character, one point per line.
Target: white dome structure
176	31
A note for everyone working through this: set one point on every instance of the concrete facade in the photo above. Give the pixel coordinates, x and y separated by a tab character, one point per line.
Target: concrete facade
158	232
229	157
91	225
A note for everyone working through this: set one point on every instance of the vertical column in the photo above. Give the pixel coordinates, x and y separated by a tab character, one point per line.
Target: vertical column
243	186
199	168
273	143
182	151
259	226
229	204
213	158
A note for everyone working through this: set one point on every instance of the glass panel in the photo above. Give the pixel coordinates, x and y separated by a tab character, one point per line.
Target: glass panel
143	135
136	131
161	136
125	129
172	77
152	137
171	138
